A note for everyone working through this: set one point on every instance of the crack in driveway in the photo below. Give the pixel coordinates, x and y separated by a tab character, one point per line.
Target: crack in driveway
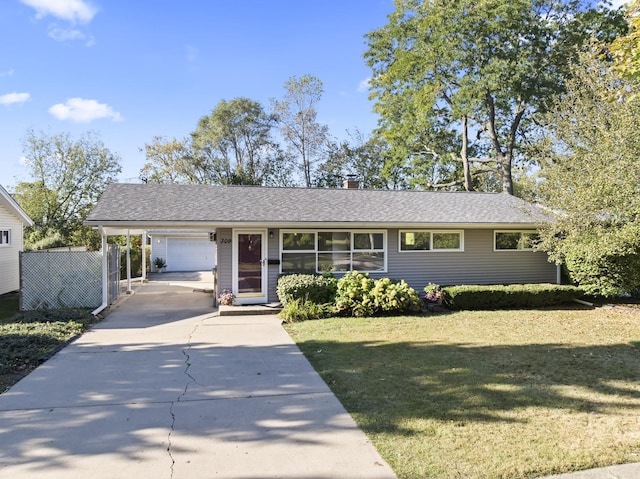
192	380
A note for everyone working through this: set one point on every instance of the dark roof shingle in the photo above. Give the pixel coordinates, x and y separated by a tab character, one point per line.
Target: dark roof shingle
145	203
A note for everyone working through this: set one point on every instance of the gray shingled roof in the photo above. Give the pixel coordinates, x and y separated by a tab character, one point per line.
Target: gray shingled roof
148	204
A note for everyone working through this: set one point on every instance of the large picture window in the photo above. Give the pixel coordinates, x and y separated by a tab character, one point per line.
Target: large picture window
335	251
431	241
515	240
5	237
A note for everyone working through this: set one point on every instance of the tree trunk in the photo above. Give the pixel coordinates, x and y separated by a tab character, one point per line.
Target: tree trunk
468	185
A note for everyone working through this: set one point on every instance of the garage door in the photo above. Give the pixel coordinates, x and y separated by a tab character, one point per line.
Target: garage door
190	254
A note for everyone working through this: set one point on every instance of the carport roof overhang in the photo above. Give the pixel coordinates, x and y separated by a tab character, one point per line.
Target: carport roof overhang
139	227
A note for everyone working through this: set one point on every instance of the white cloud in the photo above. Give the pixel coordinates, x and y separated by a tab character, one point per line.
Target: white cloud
64	35
12	98
83	111
75	11
363	87
8	73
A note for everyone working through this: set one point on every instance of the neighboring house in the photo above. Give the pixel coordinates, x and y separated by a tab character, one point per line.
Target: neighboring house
419	236
183	250
12	222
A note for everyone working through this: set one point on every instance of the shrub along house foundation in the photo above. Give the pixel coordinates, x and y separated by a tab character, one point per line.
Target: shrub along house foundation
259	233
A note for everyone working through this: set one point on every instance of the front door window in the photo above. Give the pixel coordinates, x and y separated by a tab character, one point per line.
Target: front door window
250	266
249	263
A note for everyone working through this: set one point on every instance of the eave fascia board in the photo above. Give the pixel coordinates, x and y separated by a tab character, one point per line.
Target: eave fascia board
211	226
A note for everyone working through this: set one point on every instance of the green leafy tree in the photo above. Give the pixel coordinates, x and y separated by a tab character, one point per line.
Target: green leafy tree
589	160
362	156
234	145
68	177
459	81
296	114
171	161
625	50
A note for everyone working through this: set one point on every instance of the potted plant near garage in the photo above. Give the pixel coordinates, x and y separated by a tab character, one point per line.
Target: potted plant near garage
160	264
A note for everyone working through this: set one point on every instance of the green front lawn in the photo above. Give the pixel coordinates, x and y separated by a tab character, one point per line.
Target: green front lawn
492	394
27	338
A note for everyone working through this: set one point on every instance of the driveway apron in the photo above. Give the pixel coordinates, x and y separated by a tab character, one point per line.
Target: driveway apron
165	388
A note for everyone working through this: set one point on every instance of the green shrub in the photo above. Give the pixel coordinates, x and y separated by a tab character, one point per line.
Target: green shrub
359	295
300	310
352	296
515	296
315	288
390	297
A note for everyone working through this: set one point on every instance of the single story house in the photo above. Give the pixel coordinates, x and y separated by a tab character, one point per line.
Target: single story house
183	250
13	219
262	232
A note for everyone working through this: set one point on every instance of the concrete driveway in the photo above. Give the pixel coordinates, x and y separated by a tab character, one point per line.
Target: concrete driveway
165	388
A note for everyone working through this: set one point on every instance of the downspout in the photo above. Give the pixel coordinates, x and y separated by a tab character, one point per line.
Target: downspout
105	274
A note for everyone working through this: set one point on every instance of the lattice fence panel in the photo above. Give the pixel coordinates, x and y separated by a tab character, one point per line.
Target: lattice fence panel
60	279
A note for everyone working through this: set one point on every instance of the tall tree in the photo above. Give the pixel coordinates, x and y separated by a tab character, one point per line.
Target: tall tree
461	79
68	177
234	145
589	160
170	161
297	116
362	156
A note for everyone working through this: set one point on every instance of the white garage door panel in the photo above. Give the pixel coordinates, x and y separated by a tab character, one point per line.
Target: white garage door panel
190	254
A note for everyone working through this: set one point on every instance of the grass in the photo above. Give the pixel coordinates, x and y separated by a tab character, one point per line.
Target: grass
28	338
491	394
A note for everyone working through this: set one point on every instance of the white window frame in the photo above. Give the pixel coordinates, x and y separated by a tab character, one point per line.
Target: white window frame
521	232
2	235
432	250
351	251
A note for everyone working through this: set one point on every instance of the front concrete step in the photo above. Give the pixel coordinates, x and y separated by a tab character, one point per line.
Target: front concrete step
249	309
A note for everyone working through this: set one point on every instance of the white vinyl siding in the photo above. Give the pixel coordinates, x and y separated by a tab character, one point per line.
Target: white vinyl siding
10	247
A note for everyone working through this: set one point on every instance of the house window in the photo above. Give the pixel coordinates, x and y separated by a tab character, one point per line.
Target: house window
515	240
5	238
337	251
431	241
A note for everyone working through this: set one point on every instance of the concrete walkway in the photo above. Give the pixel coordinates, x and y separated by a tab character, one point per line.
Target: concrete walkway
164	388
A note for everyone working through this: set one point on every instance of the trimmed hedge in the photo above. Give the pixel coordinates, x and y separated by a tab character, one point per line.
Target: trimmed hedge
319	289
513	296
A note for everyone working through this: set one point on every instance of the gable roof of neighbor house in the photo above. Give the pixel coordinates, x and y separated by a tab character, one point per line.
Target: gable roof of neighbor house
165	206
7	200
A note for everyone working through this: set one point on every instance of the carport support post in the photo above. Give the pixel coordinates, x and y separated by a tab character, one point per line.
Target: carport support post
105	273
144	256
128	262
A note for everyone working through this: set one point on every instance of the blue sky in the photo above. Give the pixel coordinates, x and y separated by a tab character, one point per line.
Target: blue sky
131	70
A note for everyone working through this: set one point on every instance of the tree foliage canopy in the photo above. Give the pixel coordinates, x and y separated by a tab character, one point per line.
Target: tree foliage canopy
68	177
458	81
625	49
589	160
234	145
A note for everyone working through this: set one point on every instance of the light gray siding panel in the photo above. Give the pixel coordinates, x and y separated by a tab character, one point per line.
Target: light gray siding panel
274	269
224	239
477	264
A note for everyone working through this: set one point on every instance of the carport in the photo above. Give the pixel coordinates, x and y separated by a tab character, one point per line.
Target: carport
105	232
